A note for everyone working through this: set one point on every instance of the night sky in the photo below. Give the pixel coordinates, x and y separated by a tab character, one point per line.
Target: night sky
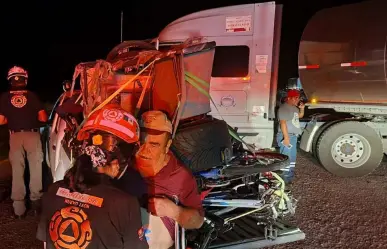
50	38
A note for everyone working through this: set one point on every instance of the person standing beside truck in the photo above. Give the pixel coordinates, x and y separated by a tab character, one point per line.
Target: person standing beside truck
22	110
289	114
171	190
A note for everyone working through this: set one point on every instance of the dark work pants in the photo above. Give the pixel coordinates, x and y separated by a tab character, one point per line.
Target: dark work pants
25	144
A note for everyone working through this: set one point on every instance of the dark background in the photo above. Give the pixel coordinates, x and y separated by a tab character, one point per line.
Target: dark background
49	38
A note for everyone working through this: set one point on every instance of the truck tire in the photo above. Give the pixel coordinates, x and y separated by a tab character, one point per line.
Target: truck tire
269	161
318	134
199	144
344	149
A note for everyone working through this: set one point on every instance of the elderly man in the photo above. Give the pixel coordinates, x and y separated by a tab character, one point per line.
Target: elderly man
172	194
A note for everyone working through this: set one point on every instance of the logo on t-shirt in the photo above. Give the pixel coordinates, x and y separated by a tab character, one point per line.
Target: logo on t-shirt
70	228
18	101
296	120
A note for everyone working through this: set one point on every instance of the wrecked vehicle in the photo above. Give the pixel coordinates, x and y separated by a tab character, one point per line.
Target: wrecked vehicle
342	69
237	185
242	91
244	199
240	191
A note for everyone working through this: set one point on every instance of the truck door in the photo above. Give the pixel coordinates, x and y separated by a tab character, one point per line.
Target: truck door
230	78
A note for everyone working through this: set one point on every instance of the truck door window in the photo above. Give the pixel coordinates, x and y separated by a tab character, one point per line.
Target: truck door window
231	61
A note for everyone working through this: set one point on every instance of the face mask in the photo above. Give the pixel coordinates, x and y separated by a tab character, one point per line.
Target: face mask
98	157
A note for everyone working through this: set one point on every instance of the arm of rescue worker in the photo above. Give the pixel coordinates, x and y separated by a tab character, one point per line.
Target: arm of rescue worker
42	116
3	119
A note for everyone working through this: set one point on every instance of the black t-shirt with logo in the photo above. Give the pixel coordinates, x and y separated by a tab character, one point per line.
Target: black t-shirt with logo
104	217
21	108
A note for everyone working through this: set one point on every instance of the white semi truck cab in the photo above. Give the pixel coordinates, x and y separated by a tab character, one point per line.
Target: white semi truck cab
245	69
342	69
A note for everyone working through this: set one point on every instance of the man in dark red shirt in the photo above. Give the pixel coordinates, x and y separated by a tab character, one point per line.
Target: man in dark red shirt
172	192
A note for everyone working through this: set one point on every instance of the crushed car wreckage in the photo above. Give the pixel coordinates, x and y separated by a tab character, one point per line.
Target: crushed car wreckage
244	199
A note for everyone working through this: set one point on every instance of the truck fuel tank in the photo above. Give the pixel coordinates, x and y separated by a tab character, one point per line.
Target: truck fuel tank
342	54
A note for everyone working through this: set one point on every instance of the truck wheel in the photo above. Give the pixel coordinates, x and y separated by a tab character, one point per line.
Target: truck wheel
318	135
344	149
199	144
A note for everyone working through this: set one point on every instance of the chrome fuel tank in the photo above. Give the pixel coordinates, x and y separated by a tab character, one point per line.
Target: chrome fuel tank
342	54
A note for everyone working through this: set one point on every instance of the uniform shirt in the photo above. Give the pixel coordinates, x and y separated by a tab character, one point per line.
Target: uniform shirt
21	108
290	114
132	183
174	181
104	217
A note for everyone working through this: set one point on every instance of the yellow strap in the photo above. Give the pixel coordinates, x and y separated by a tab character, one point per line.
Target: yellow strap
204	83
191	79
281	192
107	100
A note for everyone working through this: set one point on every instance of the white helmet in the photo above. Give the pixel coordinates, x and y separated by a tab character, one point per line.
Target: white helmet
17	71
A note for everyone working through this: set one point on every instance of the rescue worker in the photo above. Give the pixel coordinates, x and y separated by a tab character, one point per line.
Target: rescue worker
172	194
108	123
289	129
24	113
85	210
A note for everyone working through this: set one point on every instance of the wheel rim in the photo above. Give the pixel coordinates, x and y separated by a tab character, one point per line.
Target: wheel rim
351	150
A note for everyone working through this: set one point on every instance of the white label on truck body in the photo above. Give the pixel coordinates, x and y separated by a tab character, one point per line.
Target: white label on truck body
261	63
238	23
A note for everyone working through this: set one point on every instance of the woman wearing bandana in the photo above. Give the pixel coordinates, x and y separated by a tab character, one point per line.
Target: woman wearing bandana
85	210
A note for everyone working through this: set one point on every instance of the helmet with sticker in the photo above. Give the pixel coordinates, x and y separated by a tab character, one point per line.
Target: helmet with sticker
17	71
17	76
114	120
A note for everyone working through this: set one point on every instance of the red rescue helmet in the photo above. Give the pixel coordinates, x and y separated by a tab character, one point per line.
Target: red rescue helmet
114	120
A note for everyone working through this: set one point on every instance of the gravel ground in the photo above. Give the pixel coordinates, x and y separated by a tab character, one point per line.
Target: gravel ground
338	212
333	212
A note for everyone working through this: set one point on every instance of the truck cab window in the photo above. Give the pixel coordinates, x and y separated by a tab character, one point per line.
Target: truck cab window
231	61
